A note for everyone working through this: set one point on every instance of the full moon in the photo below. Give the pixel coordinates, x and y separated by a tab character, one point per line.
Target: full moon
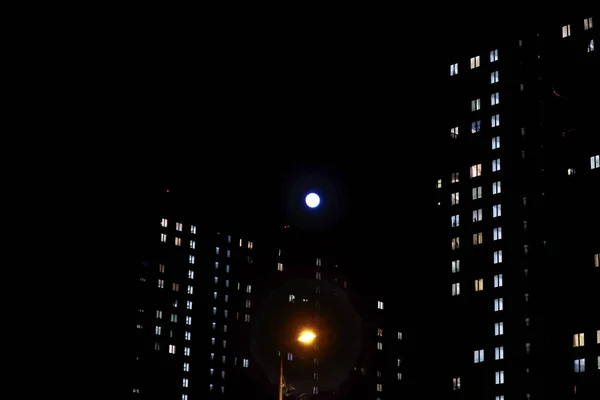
312	200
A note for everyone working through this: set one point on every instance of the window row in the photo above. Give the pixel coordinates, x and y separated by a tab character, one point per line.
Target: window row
474	62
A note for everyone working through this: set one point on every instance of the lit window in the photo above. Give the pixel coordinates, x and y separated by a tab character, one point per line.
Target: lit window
455	266
499	377
399	335
190	289
318	276
217	250
495	120
580	365
456	289
475	104
497	187
171	349
161	268
164	222
494	55
499	353
498	280
379	346
399	376
455	383
380	305
192	259
590	46
455	243
595	162
189	305
454	177
478	356
245	363
477	215
186	367
566	31
578	340
161	283
496	165
501	397
571	171
477	192
175	287
454	132
228	253
177	241
499	328
454	198
478	285
158	314
453	69
494	98
475	170
250	245
588	23
193	229
499	304
163	237
179	226
279	266
188	335
498	257
475	126
379	387
248	303
494	77
158	330
439	184
597	260
190	274
192	244
495	142
246	317
186	351
173	317
498	233
496	210
455	220
477	238
248	288
475	62
290	356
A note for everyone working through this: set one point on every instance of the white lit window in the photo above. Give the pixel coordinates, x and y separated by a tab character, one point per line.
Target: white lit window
475	126
290	356
495	142
477	215
379	346
158	314
158	330
190	274
588	23
455	243
453	69
498	233
164	222
379	332
501	397
246	317
179	226
399	335
191	259
498	280
499	304
217	250
478	285
477	238
456	289
494	98
190	289
248	288
499	353
173	317
595	162
478	356
379	387
499	377
192	244
494	55
189	305
193	229
454	132
455	383
186	367
455	220
188	336
590	46
498	257
177	241
475	62
454	178
292	298
578	340
454	198
455	266
228	253
171	349
318	276
495	120
163	237
161	283
566	31
380	305
245	363
475	104
186	351
497	187
279	266
399	376
499	328
475	170
580	365
494	77
175	287
496	165
248	303
496	210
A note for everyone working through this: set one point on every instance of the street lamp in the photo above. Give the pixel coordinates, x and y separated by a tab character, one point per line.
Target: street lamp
306	337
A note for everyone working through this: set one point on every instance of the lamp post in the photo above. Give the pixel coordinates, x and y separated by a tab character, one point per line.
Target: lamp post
306	337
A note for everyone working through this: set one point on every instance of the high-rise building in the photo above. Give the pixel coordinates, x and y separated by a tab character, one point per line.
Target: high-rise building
215	311
518	215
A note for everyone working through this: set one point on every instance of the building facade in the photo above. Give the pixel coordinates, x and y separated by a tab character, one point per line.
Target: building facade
517	213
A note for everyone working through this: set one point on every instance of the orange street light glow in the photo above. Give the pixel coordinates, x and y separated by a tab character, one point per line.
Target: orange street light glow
307	337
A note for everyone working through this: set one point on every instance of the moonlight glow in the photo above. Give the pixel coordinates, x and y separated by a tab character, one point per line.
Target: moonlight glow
312	200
